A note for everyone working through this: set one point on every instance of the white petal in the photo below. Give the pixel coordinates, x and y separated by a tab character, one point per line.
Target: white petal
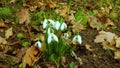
49	39
55	37
52	22
48	31
63	26
79	39
74	39
57	25
45	23
38	43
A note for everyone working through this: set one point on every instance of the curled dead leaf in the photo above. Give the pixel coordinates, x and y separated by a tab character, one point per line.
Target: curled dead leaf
3	40
23	16
94	22
40	5
63	61
108	46
88	47
109	22
51	4
8	33
117	54
31	56
118	42
77	26
105	36
62	11
2	24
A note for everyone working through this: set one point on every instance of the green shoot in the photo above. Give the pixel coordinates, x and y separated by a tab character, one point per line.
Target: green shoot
25	43
20	36
80	16
21	65
72	65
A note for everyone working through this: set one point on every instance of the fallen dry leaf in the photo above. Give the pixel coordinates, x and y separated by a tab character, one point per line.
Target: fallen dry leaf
77	26
108	46
51	4
21	52
109	22
94	22
50	65
62	11
105	36
117	54
40	5
70	18
12	1
88	47
63	61
118	42
31	56
8	33
3	40
2	24
23	16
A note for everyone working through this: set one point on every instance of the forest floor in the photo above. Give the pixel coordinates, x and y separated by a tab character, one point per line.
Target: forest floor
96	22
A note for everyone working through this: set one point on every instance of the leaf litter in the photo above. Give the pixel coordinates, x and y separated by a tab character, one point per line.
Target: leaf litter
110	41
31	54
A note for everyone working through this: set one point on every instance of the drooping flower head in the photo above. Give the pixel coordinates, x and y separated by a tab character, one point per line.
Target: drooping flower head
78	39
38	43
51	37
63	26
51	22
57	25
45	23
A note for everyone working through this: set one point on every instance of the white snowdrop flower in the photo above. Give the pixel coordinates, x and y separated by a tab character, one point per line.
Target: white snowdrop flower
38	43
48	31
77	38
52	22
66	35
63	26
57	25
45	23
52	37
49	39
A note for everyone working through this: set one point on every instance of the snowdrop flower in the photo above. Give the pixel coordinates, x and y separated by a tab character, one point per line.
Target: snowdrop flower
48	31
77	38
45	23
63	26
52	22
38	43
57	25
52	37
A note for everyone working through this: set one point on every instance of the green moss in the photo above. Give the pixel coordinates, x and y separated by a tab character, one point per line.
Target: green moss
20	36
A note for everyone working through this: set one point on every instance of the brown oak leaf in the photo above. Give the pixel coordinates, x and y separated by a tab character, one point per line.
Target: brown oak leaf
2	24
3	40
94	22
31	56
8	33
23	16
117	54
62	11
51	4
105	36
